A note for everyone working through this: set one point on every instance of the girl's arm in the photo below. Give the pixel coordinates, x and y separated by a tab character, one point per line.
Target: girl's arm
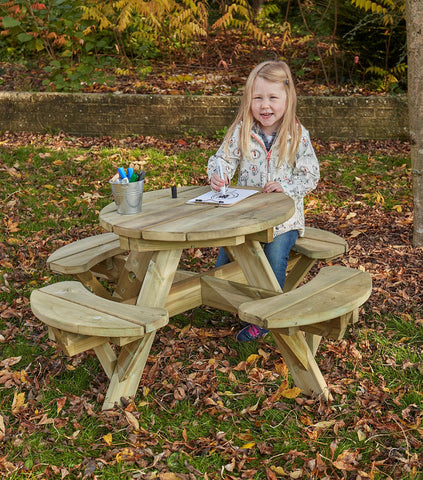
229	160
304	177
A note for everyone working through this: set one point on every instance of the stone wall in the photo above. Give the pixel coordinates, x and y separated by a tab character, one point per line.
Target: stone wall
119	115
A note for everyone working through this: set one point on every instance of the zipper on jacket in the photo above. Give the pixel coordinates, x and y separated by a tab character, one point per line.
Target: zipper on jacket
268	154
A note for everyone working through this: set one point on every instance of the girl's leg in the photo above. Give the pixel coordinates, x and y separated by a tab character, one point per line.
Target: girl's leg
222	258
277	252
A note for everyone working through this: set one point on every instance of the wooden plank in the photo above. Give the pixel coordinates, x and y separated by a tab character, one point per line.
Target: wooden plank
320	244
301	364
92	284
70	307
255	266
141	245
159	277
226	295
335	291
265	236
297	273
132	275
128	371
107	358
83	254
186	293
73	344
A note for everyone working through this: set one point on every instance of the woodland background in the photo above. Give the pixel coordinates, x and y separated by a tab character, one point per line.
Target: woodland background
341	47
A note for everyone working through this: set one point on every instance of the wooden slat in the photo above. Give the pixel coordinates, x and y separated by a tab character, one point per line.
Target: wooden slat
254	264
226	295
73	344
302	365
141	245
188	293
153	203
80	256
70	307
167	219
334	292
320	244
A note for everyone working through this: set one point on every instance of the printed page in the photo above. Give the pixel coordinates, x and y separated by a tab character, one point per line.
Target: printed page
231	196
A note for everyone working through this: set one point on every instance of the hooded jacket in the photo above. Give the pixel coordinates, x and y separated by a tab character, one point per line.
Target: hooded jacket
296	181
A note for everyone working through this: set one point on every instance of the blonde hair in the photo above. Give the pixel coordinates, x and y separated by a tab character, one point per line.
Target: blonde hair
275	72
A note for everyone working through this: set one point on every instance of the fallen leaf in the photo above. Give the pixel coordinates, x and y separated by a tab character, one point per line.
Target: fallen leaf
108	438
132	420
291	392
2	429
18	402
278	470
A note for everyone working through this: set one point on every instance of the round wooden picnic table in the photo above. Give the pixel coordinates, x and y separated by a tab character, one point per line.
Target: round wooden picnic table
155	239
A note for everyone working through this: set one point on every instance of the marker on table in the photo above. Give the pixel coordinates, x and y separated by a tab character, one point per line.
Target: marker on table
220	171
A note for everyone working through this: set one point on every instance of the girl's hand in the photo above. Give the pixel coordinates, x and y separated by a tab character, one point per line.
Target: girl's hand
217	183
272	187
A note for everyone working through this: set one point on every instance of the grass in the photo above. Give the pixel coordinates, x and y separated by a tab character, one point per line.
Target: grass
223	423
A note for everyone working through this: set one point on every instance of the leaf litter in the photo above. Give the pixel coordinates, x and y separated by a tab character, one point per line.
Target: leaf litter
382	419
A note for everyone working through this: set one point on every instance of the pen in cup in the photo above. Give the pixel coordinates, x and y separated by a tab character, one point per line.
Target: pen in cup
220	172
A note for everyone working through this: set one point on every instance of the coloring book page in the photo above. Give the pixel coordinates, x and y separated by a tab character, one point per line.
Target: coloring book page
231	196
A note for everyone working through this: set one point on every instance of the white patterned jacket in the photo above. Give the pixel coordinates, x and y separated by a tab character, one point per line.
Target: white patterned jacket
296	181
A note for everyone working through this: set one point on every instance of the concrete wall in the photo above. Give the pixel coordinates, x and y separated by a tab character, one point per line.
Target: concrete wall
327	118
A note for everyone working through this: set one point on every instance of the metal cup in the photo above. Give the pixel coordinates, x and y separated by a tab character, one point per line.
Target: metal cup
128	197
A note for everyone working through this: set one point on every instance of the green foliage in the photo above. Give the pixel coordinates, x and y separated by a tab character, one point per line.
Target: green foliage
239	14
390	10
62	77
383	54
352	40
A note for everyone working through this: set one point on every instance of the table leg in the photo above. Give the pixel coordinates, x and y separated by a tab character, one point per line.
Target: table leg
301	363
294	348
255	266
132	358
296	275
132	275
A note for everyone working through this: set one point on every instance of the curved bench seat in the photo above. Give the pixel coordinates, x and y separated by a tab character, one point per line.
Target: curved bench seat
322	307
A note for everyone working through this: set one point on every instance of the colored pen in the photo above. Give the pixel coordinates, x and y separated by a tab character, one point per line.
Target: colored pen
123	175
220	171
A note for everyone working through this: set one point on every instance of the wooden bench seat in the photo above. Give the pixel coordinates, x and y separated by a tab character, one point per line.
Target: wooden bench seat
88	259
79	320
315	245
322	307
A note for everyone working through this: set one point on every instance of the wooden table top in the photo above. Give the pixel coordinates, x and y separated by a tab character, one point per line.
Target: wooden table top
168	219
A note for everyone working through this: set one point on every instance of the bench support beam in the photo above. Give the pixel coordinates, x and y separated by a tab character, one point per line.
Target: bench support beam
301	363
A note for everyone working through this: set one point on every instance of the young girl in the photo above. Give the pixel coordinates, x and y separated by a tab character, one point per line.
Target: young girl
272	150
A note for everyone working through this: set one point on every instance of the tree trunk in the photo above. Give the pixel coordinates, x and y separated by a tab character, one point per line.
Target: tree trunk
414	14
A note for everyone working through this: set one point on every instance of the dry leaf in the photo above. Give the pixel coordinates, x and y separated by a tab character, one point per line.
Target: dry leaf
132	420
291	392
2	429
108	438
18	402
278	470
60	404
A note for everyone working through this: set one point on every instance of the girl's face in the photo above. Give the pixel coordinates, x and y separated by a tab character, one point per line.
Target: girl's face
268	104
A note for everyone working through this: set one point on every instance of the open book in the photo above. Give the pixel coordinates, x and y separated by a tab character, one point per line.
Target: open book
231	196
